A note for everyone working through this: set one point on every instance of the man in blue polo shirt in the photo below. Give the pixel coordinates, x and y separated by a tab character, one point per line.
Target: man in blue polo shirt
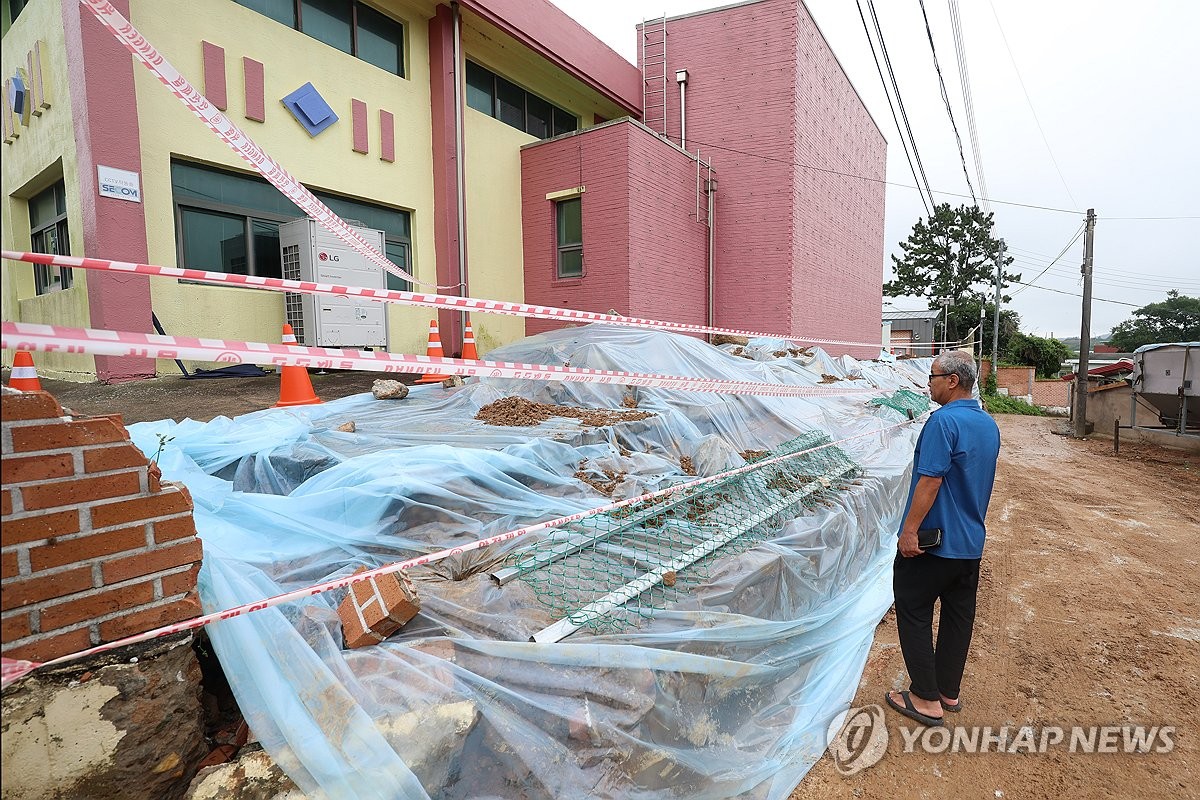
953	470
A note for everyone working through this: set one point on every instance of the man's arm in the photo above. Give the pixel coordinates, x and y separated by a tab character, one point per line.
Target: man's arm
924	494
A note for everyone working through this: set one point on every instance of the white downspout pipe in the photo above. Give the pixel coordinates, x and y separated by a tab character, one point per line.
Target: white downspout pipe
458	164
681	77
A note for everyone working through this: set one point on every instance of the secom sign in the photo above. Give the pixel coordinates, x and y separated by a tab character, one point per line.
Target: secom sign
119	183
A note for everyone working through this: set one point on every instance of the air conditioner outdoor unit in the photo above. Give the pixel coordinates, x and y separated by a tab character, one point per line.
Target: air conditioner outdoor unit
308	252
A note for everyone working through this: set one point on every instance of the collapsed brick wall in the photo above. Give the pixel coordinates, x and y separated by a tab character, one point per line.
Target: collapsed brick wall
94	546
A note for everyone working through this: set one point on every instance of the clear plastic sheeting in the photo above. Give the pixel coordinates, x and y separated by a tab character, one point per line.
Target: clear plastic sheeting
726	691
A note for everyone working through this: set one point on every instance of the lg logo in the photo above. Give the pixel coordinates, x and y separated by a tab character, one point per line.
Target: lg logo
323	256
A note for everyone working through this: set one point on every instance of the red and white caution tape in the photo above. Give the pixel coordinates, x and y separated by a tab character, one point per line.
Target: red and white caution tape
14	669
233	136
54	339
395	296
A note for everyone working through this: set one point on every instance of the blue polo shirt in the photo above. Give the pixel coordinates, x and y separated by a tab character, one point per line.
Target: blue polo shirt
959	444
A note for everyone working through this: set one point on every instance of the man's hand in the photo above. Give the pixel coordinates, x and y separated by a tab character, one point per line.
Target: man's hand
908	545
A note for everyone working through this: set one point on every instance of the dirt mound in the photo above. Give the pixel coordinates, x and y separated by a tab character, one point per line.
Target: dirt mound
519	412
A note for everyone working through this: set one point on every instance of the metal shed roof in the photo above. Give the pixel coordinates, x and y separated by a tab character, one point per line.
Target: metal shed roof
930	314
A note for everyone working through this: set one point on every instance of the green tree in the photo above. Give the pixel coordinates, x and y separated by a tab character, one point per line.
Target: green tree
953	255
1046	355
1176	319
964	317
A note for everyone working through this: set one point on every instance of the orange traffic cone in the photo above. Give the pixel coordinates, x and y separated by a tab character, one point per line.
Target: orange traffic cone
295	387
24	376
469	350
435	351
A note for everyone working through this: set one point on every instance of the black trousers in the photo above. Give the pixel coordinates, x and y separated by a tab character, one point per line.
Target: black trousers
917	583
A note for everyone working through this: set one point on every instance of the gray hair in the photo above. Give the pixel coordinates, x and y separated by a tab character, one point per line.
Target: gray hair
958	363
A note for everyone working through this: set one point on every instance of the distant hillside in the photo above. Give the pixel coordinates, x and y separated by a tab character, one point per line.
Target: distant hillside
1072	342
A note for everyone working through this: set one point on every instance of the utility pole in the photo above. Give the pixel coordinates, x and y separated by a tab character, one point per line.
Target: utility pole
1085	330
996	311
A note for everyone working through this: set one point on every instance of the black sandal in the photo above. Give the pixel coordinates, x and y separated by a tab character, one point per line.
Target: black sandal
953	709
910	711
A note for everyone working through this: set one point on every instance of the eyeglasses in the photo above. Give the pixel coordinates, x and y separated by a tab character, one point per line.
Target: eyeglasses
933	375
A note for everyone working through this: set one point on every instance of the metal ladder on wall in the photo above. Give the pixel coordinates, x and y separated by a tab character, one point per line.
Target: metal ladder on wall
654	74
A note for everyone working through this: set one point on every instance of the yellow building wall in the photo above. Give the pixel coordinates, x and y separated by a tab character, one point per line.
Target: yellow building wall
42	154
326	162
495	261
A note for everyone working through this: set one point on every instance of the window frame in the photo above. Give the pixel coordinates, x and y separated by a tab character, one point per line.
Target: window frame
42	282
552	124
250	215
561	248
298	9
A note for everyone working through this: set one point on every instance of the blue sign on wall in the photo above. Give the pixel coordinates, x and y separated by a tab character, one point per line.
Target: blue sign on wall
310	109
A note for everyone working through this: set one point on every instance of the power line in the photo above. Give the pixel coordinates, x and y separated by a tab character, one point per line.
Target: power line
1039	259
1030	102
903	141
1072	294
887	60
946	100
1110	219
960	52
876	180
1061	253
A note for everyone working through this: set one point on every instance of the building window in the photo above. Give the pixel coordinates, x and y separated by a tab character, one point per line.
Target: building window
48	234
349	25
497	97
569	214
228	222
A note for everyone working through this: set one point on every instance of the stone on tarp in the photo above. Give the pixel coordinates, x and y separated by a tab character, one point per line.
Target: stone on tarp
431	741
389	390
376	608
252	776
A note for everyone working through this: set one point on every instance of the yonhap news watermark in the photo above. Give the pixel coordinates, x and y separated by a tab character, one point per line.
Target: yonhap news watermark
859	738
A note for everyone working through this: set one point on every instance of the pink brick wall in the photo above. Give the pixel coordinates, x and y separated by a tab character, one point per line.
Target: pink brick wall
1051	393
798	250
643	252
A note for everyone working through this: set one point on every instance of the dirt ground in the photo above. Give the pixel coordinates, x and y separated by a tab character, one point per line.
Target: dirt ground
1089	606
1089	614
173	397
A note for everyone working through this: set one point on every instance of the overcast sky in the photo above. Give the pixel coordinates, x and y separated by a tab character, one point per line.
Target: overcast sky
1115	88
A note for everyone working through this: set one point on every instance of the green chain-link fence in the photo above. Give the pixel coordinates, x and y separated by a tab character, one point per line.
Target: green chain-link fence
904	401
608	571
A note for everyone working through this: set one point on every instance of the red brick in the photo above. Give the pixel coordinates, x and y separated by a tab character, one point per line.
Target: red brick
385	603
180	582
103	459
53	646
31	405
11	567
66	551
39	526
166	530
149	619
6	502
144	563
80	609
39	588
18	626
38	468
158	505
67	434
80	490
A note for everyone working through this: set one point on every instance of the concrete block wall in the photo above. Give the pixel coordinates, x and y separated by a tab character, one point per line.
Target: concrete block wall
95	547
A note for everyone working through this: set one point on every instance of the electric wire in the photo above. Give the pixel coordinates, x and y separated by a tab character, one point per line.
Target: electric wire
887	60
1061	253
903	142
960	52
1032	110
1072	294
946	100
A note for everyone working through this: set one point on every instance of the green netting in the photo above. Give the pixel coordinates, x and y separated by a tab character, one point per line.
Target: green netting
904	401
609	571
